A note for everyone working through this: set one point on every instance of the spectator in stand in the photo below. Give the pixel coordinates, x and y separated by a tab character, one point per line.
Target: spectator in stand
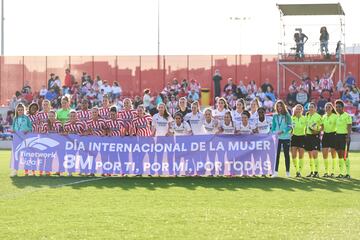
250	96
119	104
305	85
338	50
229	86
146	99
193	95
267	84
116	90
232	101
269	93
172	105
91	95
10	117
302	97
167	88
241	91
26	88
260	95
28	96
291	99
217	78
84	77
137	101
350	80
51	81
326	83
315	84
97	84
51	95
293	87
340	86
101	95
69	79
159	99
43	91
346	97
175	86
324	41
321	105
268	104
182	93
65	90
194	85
184	84
107	88
354	93
16	100
252	86
57	85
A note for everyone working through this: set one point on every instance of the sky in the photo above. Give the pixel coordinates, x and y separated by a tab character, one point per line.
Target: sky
130	27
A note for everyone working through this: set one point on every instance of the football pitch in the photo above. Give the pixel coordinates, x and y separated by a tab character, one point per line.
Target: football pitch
179	208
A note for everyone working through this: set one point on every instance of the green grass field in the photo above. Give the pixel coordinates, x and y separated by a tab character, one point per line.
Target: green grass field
178	208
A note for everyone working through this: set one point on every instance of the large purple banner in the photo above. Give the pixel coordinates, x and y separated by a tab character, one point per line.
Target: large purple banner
168	156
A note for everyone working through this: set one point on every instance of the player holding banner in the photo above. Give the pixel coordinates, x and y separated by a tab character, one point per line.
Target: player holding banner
51	126
262	123
196	119
33	116
343	131
73	125
141	125
179	127
104	111
96	126
227	126
312	143
298	138
23	124
161	121
127	115
115	126
42	116
210	124
84	114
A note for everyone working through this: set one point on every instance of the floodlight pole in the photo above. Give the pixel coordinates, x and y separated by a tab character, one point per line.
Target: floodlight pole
158	34
2	27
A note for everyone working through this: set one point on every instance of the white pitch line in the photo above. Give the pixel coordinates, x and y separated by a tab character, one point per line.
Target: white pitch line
34	189
78	182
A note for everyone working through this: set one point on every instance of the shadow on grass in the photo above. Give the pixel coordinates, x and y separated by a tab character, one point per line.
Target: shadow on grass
191	183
